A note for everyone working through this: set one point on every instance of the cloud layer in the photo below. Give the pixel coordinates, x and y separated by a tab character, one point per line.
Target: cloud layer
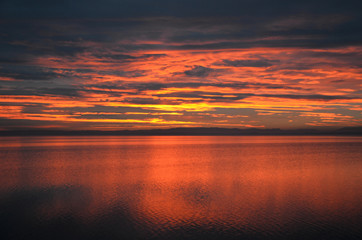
133	64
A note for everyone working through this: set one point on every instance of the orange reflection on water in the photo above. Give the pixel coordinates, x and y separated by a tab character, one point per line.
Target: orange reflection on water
247	188
248	182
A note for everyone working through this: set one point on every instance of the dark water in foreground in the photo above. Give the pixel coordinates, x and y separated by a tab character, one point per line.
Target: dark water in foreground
181	188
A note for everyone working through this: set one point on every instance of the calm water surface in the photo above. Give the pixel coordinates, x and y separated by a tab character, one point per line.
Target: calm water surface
180	188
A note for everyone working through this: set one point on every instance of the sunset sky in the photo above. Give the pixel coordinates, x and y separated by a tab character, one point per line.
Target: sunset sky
141	64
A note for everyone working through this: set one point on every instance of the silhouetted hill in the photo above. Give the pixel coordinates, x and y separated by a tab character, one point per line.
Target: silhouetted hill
357	131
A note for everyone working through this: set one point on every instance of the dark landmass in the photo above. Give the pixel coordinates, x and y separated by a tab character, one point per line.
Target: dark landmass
347	131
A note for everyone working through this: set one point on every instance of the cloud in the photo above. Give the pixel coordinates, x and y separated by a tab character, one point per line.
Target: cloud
199	71
221	97
116	57
140	86
180	56
182	8
213	96
27	72
142	100
249	63
308	97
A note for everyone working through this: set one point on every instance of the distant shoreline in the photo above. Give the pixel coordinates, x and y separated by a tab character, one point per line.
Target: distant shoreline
346	131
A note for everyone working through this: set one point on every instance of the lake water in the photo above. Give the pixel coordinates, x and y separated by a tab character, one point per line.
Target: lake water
237	187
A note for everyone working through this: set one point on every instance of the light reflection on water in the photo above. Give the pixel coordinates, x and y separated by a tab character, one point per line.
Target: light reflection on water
181	187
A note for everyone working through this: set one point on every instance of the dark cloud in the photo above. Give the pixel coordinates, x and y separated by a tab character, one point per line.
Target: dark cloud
308	97
199	71
221	97
107	116
115	57
114	89
338	81
147	86
249	63
142	100
187	84
69	92
213	96
344	59
130	74
25	72
74	91
19	124
33	73
138	8
34	108
112	39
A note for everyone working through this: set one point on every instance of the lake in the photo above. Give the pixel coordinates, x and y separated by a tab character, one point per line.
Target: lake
181	187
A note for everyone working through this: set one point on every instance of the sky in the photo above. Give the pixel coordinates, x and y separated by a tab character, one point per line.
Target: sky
147	64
